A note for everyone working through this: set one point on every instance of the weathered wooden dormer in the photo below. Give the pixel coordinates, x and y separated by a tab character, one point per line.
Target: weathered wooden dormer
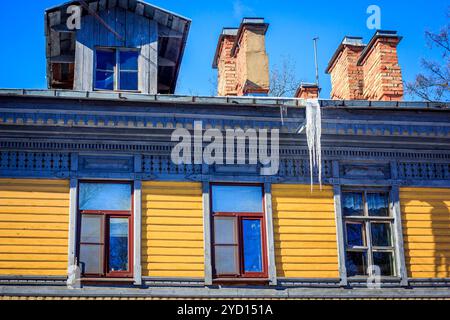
121	45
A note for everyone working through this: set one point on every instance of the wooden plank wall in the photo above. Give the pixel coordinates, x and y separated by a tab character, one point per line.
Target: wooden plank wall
172	230
137	32
426	231
34	227
304	232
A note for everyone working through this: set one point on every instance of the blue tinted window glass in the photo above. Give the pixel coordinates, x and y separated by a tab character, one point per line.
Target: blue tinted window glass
352	204
378	204
237	199
105	196
104	80
128	81
251	230
106	60
129	60
355	234
118	244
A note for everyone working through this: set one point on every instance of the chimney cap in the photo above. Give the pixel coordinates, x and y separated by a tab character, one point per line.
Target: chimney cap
347	41
226	32
378	34
249	21
307	85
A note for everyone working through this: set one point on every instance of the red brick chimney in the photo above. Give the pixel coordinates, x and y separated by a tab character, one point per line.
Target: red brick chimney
382	73
241	59
308	91
225	63
347	79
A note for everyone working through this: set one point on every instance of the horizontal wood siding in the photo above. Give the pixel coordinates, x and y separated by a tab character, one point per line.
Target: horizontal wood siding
34	227
426	229
172	230
304	232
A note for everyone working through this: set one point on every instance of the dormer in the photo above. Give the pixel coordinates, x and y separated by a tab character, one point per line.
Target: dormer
118	45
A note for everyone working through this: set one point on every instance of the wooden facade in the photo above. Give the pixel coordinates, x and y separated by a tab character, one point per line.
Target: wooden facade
49	138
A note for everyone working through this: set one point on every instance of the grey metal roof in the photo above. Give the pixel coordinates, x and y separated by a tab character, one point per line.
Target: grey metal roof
209	100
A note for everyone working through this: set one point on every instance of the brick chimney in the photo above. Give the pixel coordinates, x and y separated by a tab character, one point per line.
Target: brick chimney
382	73
225	63
243	69
347	79
308	91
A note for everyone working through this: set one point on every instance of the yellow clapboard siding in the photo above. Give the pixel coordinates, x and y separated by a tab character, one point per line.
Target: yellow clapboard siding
171	273
50	218
306	267
172	251
172	230
305	237
305	215
309	274
166	213
280	222
158	228
34	223
307	259
426	231
33	249
33	272
50	242
304	232
174	235
305	245
34	257
185	244
35	202
174	259
33	210
34	226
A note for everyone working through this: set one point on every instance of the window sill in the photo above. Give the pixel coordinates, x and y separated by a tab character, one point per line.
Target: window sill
241	281
106	280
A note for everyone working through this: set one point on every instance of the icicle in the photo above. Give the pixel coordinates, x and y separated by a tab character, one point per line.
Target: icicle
313	136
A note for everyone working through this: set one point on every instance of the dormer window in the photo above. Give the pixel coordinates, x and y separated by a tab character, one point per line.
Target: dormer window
116	69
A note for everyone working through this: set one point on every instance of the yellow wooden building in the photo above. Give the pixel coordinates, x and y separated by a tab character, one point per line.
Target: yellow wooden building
95	201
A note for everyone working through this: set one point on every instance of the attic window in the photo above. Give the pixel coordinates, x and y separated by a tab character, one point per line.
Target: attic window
116	69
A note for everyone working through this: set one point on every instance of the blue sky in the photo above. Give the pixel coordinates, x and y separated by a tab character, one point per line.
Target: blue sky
293	24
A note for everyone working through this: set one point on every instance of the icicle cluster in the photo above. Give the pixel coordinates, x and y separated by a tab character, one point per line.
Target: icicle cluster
313	136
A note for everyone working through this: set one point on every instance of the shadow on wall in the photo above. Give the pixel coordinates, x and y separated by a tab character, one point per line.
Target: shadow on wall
426	228
440	229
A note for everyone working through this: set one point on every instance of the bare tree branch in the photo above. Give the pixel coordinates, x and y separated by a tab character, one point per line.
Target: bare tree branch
283	81
433	84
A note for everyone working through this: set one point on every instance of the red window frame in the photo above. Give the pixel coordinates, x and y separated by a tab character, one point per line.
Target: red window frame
239	216
107	215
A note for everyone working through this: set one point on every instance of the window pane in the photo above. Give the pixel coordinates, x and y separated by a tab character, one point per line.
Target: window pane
118	244
237	199
91	258
378	204
385	261
355	234
381	234
226	261
92	229
251	230
104	80
356	264
105	196
106	60
129	60
352	204
128	81
225	230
